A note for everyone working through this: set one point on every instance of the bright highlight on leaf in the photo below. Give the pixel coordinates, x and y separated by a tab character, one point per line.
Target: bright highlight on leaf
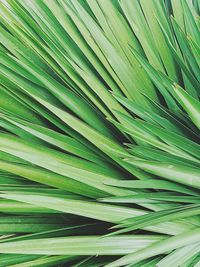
100	133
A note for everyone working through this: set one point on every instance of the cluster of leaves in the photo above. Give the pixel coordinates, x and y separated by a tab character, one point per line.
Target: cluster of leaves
99	133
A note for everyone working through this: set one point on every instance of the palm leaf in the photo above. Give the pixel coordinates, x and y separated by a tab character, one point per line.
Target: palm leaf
99	133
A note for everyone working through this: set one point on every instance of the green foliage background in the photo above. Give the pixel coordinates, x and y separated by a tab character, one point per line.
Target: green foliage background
99	133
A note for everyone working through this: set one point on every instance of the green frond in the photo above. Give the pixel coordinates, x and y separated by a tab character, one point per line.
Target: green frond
99	133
